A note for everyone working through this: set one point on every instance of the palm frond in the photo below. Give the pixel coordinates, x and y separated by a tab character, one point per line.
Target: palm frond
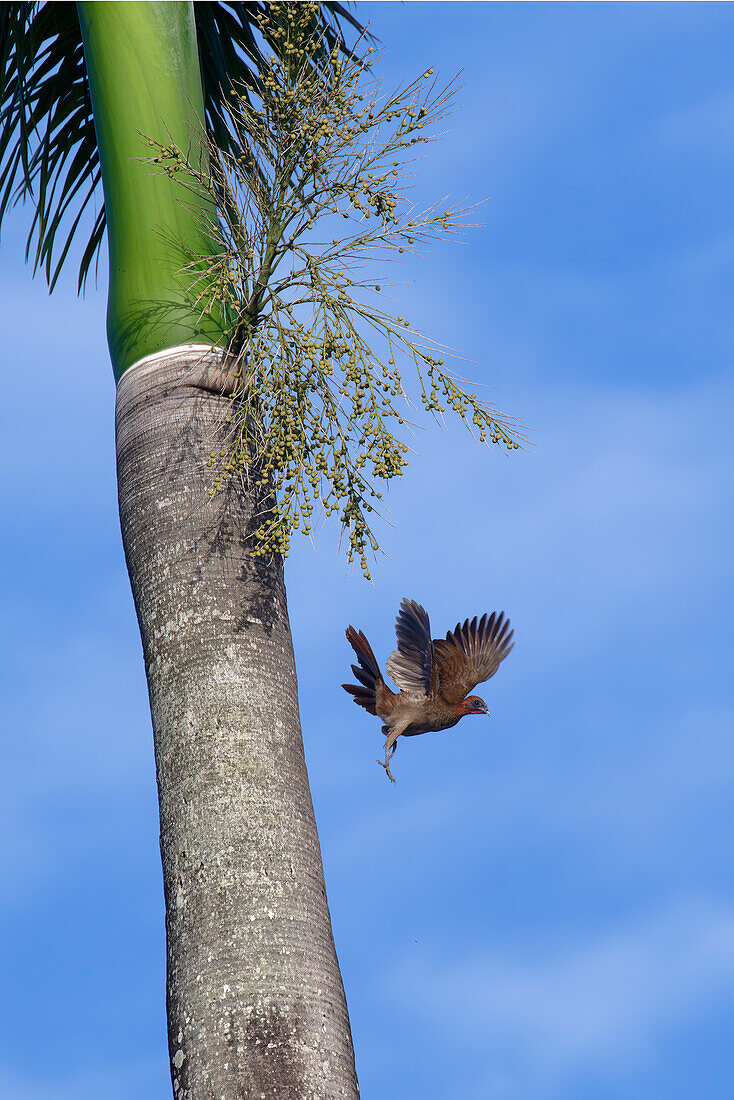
48	146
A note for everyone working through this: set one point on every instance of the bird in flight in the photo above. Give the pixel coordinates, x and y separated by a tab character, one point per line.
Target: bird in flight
434	677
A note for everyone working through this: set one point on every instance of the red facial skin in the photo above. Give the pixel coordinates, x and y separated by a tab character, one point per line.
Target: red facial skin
474	705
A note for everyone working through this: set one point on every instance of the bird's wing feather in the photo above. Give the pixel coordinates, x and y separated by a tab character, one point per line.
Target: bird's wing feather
469	655
410	664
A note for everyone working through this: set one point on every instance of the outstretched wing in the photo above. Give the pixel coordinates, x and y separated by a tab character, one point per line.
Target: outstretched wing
410	664
470	654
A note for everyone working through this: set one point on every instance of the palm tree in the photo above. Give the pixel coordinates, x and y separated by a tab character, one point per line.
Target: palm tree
255	1000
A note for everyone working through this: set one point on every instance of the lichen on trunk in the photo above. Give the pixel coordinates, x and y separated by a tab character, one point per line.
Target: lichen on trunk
256	1006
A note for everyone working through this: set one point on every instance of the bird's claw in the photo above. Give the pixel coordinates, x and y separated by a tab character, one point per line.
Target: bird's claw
386	766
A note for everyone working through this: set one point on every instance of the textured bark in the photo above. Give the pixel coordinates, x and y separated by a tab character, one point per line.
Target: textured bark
256	1006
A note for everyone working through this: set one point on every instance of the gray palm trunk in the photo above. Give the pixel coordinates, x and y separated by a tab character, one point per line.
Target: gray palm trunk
256	1006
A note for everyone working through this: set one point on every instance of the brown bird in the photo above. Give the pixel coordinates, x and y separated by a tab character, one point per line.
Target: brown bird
433	676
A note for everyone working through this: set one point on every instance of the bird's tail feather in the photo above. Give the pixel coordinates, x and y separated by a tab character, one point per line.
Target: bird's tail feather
367	672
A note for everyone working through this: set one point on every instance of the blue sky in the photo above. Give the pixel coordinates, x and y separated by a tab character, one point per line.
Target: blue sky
543	908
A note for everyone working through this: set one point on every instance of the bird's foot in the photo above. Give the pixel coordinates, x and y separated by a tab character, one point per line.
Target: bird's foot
390	746
384	764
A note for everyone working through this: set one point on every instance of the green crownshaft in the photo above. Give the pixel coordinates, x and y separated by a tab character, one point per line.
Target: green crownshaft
145	82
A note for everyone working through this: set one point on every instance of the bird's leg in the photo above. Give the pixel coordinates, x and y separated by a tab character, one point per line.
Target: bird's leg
391	744
386	730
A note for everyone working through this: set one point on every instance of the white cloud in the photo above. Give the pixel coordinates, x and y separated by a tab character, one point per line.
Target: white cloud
119	1079
81	750
622	499
706	128
618	800
555	1014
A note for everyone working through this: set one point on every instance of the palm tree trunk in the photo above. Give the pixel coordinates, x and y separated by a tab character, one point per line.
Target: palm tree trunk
256	1006
145	82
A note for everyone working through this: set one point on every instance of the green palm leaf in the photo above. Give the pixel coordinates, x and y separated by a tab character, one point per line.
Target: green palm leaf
48	147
